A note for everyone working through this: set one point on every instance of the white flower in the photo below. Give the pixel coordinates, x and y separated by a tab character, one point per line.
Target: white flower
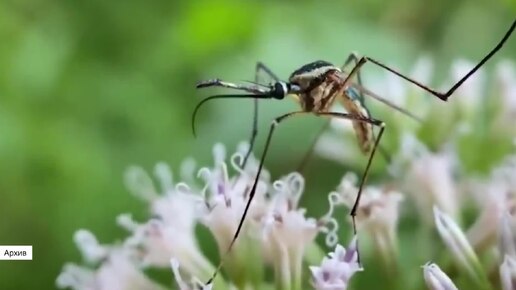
378	210
508	273
226	198
432	175
90	249
436	279
76	277
284	223
494	197
118	270
427	176
505	173
286	231
457	243
194	284
155	241
507	237
377	213
506	76
336	270
171	232
170	205
493	202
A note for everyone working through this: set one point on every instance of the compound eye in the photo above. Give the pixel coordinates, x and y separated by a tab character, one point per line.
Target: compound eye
280	90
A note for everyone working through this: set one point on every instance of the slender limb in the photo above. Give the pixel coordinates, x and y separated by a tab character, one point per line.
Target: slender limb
254	132
353	57
274	123
373	122
446	95
260	67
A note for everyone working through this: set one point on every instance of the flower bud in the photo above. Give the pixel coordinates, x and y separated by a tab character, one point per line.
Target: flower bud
436	279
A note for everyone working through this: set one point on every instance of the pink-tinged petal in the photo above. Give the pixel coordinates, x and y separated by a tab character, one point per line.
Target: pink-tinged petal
436	279
457	243
508	273
336	269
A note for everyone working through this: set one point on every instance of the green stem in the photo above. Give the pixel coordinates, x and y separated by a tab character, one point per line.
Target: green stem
296	264
282	269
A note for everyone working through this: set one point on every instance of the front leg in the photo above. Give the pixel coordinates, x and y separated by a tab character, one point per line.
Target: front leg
260	68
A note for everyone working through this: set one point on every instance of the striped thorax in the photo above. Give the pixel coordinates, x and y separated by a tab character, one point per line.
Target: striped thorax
321	83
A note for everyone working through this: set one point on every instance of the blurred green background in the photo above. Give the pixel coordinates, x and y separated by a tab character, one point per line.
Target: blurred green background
88	88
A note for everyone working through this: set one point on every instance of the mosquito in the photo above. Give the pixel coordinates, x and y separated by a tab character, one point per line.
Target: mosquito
316	86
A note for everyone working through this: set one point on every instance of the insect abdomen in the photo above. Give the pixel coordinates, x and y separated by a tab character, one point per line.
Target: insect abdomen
354	105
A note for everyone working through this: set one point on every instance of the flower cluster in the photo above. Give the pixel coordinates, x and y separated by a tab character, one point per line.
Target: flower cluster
276	232
454	170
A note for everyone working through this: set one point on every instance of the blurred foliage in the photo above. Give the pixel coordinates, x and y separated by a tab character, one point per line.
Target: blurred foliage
90	87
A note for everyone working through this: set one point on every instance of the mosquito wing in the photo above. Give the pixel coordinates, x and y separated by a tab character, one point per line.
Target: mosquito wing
386	102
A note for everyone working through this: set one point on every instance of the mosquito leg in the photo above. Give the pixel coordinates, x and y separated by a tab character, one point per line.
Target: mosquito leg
254	132
274	123
444	96
373	122
353	57
260	67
